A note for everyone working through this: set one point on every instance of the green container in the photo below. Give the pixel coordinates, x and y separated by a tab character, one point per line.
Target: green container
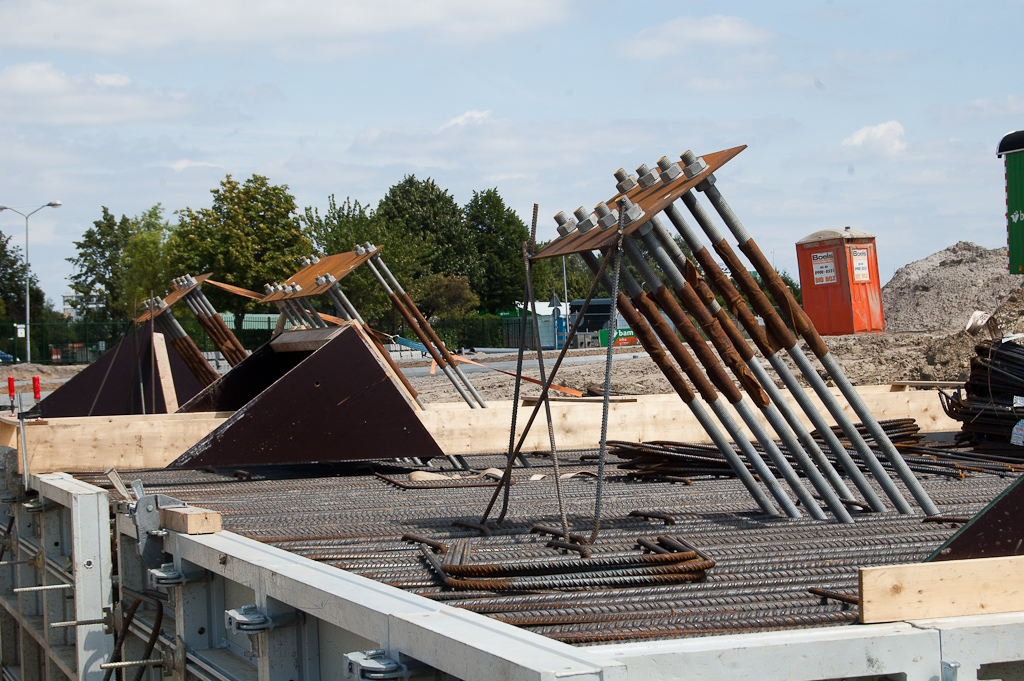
1011	148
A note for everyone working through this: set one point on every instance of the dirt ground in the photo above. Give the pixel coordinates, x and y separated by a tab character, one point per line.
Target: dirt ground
926	303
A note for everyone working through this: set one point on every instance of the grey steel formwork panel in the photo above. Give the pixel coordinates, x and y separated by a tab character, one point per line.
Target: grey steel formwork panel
72	531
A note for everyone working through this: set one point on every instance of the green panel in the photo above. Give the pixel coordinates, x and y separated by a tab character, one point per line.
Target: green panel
1015	210
622	337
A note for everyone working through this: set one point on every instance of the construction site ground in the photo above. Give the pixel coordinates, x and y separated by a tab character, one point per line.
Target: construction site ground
927	304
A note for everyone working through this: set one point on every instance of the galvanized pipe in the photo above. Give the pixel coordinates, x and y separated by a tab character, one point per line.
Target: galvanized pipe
670	256
757	334
770	351
810	334
420	334
709	361
337	305
425	324
633	289
785	338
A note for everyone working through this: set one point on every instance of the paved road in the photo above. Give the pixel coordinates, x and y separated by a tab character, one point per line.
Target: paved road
527	364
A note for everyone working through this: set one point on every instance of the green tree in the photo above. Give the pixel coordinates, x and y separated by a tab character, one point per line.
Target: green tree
445	296
144	258
12	287
343	227
499	237
99	271
420	209
249	236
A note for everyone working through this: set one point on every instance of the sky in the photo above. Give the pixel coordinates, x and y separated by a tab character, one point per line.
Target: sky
882	116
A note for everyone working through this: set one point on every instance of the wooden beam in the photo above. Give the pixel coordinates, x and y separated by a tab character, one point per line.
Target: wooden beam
953	588
190	520
163	370
153	441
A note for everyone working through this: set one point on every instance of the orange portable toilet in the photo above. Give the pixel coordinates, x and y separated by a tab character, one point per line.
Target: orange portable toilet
839	282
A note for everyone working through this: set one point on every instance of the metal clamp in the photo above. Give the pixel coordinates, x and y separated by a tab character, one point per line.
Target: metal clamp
167	575
146	514
39	506
373	664
249	620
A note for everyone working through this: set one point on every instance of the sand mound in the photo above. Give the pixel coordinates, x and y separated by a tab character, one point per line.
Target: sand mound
939	293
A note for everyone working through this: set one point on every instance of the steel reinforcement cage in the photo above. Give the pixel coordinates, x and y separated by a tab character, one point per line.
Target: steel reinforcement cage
228	608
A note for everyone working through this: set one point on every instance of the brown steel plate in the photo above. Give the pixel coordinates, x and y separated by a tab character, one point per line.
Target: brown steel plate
110	386
176	295
997	530
338	265
337	403
652	200
237	290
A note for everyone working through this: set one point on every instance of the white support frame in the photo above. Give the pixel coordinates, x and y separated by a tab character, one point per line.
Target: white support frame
346	613
72	531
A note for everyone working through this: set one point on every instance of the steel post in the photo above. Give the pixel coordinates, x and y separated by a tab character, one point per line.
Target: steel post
666	251
633	289
407	316
757	334
709	361
786	340
809	333
425	325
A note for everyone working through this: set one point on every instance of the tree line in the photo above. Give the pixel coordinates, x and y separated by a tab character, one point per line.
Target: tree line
454	260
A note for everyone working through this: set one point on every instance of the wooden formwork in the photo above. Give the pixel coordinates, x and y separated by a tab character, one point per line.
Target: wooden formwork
153	441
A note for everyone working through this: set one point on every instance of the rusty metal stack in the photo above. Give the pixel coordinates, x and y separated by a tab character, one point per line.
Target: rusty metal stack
629	229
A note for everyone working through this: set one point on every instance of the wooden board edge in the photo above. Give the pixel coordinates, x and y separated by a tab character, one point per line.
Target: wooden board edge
955	588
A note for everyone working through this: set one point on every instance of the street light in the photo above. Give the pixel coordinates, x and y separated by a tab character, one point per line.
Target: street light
28	314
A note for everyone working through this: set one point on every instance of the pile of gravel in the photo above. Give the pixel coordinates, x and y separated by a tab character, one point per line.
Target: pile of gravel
938	294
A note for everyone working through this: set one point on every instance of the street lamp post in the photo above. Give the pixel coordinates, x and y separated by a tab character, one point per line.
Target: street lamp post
28	313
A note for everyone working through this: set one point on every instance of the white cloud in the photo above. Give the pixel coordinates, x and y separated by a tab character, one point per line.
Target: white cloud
984	109
715	55
298	29
884	137
681	36
37	93
472	117
184	164
111	80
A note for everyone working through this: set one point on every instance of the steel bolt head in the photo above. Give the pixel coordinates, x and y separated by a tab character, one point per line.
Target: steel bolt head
669	170
566	225
625	182
694	168
646	176
606	216
586	220
632	211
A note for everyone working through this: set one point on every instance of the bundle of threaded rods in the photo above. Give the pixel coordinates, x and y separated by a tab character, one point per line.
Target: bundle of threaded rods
991	407
679	462
671	561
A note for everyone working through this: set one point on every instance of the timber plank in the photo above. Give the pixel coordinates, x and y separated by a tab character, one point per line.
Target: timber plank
163	370
954	588
190	520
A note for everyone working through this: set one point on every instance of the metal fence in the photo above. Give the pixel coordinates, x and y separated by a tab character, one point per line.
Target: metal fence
82	342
